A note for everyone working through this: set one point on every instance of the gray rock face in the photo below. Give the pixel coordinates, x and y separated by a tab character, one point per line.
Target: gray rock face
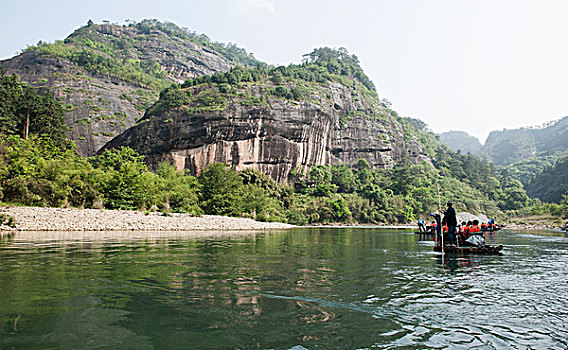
274	139
99	107
94	109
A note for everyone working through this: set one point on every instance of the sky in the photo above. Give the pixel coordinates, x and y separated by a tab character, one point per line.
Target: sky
468	65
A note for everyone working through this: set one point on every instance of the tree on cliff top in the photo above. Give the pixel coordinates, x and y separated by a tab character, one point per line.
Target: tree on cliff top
339	61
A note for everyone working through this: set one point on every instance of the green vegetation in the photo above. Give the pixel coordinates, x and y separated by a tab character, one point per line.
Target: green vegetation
101	59
551	183
322	66
38	167
7	220
124	56
230	51
24	112
39	173
308	81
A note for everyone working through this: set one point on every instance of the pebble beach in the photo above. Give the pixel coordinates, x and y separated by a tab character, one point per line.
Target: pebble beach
64	219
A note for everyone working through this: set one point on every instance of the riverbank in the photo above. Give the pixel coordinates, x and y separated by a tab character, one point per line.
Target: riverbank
64	219
536	222
515	226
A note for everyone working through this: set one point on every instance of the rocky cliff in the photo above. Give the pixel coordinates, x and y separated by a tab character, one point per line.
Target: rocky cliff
330	124
107	75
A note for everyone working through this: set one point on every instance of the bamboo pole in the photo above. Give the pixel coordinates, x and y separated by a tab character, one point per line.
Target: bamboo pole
440	211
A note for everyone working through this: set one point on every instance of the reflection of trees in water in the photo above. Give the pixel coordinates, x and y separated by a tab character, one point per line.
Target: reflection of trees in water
211	292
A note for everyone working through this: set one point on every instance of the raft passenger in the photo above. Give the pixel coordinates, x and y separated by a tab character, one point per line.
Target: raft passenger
421	227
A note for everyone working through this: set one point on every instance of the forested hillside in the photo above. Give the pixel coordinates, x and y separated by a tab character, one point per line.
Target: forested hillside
106	75
551	184
534	156
509	146
304	143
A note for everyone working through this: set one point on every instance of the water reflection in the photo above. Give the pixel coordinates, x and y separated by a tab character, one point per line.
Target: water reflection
338	288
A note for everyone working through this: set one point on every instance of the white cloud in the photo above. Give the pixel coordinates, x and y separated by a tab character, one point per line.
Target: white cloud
248	6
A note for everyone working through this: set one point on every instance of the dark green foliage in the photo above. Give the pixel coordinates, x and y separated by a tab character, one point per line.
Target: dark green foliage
124	179
25	112
528	169
37	171
221	190
513	195
338	62
177	190
342	176
551	183
11	92
226	192
7	220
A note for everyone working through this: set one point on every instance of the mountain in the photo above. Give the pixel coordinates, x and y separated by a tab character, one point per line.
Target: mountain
462	141
106	75
325	111
505	147
509	146
535	156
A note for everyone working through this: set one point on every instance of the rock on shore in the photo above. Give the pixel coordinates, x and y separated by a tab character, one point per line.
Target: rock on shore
61	219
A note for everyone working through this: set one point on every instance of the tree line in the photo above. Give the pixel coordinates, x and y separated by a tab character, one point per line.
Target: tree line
39	167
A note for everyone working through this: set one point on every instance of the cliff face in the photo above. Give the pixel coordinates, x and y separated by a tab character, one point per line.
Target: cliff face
96	108
107	75
276	137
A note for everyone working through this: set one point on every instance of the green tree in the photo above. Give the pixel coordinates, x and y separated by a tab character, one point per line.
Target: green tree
24	112
124	179
221	190
342	176
176	190
37	171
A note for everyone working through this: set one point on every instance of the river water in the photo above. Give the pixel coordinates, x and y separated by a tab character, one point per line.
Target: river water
316	288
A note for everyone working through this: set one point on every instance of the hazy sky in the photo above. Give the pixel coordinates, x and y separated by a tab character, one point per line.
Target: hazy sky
466	65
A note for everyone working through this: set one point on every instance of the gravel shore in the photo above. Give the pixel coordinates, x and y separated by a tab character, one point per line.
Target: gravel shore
62	219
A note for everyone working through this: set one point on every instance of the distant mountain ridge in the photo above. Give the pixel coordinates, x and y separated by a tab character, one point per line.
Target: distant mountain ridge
506	146
462	141
536	156
106	75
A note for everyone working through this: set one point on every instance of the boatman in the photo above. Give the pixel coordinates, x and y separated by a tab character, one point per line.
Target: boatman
450	220
438	227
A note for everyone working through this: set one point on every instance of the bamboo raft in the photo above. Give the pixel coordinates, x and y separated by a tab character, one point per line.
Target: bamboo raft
486	249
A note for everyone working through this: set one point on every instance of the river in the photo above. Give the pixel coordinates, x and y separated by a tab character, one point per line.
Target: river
309	288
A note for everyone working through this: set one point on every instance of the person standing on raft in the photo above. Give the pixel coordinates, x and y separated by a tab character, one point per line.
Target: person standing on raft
450	220
437	229
421	227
